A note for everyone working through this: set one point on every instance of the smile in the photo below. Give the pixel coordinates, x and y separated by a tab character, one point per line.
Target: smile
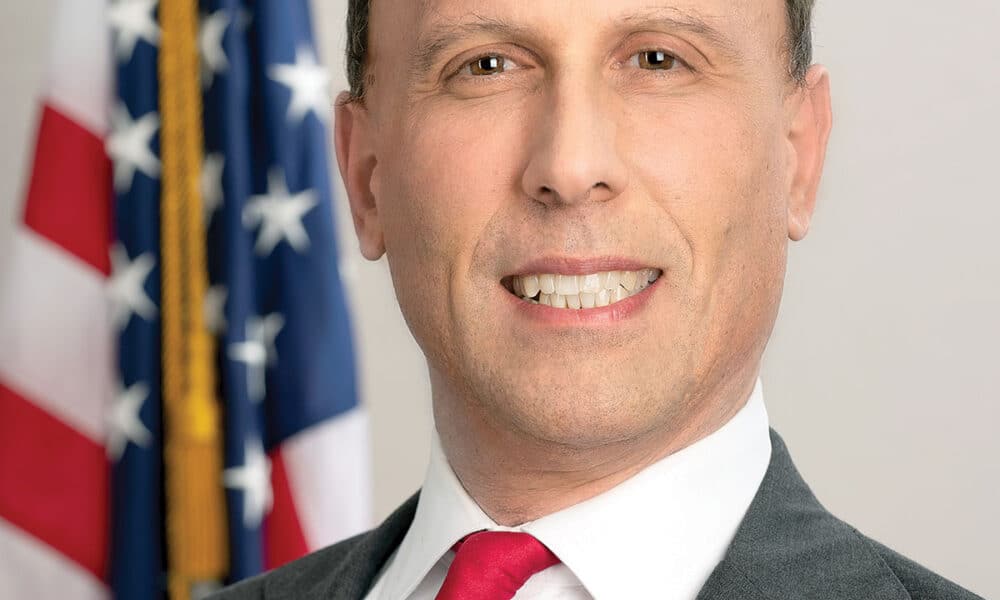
577	292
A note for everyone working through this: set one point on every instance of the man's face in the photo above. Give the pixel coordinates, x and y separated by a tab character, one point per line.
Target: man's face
506	138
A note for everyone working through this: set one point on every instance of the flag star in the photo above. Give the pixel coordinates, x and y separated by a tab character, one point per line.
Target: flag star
126	286
128	145
254	480
279	215
132	20
124	423
309	83
257	351
211	184
210	38
215	308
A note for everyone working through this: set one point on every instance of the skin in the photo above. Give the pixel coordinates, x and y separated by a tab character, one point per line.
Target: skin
577	147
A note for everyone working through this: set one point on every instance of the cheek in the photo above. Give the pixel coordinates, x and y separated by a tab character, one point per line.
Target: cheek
716	174
714	170
446	174
443	180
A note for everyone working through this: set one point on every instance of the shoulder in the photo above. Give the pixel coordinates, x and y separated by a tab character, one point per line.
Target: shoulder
341	571
790	546
297	576
920	582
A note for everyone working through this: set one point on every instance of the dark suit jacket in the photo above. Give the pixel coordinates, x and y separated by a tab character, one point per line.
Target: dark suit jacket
787	547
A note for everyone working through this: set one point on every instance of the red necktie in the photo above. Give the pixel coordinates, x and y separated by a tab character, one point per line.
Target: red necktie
493	565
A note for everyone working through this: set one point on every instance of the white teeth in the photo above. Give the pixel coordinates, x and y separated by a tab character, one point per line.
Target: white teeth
530	285
566	285
629	279
590	284
582	291
603	298
547	283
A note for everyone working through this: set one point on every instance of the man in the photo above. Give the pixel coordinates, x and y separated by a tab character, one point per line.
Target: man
585	206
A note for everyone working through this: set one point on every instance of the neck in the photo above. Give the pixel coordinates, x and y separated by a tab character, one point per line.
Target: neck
516	478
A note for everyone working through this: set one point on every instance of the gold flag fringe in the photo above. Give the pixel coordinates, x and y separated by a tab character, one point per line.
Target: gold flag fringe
197	550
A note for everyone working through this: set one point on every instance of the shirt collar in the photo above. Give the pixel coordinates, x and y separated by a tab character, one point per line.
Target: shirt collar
664	529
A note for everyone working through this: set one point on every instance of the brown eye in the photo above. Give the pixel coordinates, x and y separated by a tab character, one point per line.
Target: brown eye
656	60
487	65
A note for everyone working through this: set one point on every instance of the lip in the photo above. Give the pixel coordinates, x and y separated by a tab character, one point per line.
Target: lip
568	317
612	314
558	265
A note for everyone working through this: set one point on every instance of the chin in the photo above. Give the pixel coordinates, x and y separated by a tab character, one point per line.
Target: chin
583	416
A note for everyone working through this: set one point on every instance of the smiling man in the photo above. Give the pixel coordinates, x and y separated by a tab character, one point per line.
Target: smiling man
586	207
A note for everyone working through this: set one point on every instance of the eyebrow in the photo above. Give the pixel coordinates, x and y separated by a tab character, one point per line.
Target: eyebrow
673	19
444	34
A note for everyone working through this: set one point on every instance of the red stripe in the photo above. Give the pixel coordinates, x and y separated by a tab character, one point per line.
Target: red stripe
69	195
53	482
283	537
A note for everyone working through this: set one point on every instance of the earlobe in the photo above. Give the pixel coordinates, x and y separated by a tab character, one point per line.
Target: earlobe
808	136
356	159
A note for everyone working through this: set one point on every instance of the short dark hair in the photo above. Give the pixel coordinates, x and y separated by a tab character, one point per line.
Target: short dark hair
798	43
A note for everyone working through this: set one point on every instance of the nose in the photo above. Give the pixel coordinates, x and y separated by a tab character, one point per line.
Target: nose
574	157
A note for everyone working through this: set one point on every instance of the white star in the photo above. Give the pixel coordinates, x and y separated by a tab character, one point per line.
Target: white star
213	55
258	351
309	83
211	185
254	479
126	286
132	20
279	215
128	145
215	308
124	423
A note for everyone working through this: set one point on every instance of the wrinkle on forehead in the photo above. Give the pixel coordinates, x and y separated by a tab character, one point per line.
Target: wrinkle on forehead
735	33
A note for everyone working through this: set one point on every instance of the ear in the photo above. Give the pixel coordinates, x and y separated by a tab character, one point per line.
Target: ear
808	135
356	159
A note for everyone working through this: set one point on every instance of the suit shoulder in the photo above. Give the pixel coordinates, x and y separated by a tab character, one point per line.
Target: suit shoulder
301	573
920	582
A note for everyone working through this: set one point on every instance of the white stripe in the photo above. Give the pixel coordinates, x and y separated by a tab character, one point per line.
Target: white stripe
31	569
57	344
329	473
80	82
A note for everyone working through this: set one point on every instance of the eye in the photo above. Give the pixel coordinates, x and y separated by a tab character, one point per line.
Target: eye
489	64
655	60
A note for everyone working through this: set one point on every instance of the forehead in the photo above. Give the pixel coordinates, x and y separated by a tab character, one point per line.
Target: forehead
393	22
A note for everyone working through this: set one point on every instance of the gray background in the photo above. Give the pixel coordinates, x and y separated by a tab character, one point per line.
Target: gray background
882	375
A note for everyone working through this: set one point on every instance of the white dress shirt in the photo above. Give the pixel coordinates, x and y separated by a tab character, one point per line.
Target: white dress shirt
659	534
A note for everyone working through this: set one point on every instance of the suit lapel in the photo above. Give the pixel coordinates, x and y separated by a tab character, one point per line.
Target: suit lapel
357	573
789	546
353	573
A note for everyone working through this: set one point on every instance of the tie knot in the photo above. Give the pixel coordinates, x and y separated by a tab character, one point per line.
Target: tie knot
493	565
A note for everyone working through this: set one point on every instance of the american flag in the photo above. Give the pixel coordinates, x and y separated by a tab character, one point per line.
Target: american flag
101	421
